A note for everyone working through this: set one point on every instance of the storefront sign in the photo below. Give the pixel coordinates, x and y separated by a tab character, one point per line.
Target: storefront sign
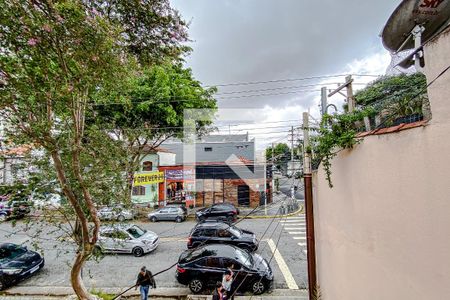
148	178
180	174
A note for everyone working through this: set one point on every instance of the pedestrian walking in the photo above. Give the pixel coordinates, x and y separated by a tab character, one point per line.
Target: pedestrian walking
227	282
145	281
218	292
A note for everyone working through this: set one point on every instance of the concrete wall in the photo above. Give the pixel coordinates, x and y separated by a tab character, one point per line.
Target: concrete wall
383	231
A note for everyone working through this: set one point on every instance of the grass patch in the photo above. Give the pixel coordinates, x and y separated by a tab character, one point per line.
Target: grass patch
103	295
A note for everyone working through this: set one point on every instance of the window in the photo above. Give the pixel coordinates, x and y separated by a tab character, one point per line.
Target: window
231	263
118	234
147	166
208	149
138	191
224	233
213	262
209	232
198	232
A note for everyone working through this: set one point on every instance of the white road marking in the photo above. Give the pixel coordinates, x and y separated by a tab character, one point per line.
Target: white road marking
289	221
302	244
305	251
299	237
283	266
297	232
295	224
295	218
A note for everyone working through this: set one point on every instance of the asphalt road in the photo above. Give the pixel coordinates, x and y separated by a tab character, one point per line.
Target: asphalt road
121	270
287	183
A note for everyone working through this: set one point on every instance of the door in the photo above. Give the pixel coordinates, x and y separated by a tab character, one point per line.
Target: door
163	214
107	241
173	213
243	195
213	269
224	236
121	241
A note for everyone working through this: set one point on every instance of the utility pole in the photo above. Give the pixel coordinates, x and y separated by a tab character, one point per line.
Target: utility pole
265	186
292	145
350	98
273	169
323	100
310	240
292	169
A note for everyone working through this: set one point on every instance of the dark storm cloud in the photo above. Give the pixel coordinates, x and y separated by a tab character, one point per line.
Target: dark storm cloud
253	40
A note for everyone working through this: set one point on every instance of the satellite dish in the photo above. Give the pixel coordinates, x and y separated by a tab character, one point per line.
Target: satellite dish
430	15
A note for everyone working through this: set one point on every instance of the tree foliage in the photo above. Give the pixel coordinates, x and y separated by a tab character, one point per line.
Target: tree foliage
58	61
399	96
281	154
153	112
390	97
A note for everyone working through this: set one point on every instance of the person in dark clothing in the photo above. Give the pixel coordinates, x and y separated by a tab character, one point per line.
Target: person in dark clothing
145	281
218	292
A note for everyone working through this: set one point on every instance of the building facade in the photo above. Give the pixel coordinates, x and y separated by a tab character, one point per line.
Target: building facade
147	180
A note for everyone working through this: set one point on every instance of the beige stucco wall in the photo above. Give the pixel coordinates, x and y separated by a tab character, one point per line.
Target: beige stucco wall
383	231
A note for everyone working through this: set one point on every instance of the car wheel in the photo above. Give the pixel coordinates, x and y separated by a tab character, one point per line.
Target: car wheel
2	218
178	219
258	287
138	251
153	219
120	218
196	285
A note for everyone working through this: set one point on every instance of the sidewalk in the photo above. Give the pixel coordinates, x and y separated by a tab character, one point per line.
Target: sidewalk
281	206
63	293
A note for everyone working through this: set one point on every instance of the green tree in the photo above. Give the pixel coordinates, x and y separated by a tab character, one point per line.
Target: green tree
58	61
397	96
281	154
154	112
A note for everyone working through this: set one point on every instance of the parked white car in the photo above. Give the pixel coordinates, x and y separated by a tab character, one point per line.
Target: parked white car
126	239
117	213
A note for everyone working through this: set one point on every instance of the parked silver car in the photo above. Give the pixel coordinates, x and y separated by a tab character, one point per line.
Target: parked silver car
117	213
176	214
126	239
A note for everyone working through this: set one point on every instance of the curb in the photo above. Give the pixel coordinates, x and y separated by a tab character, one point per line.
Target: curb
300	210
169	293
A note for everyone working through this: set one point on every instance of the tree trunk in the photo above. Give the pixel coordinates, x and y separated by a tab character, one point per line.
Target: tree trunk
76	280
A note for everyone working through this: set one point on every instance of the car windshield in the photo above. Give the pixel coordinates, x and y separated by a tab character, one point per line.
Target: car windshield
11	252
235	231
136	231
244	258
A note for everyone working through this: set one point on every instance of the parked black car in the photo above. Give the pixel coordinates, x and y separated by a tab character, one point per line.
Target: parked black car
17	263
206	265
220	211
14	209
216	232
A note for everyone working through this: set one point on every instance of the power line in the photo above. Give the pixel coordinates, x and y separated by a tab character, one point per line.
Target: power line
288	80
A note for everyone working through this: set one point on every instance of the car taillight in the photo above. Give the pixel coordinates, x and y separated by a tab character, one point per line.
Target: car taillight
189	240
235	212
180	270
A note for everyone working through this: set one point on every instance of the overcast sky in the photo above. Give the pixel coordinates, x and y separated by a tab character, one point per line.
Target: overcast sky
236	41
